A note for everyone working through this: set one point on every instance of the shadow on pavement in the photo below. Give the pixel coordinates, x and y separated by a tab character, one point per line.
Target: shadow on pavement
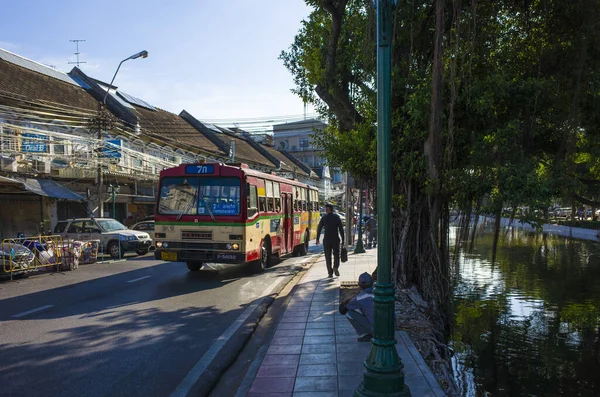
117	352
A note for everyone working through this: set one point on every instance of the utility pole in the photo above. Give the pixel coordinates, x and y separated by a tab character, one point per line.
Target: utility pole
383	375
76	41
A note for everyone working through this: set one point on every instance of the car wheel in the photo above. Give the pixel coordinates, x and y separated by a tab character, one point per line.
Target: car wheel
114	250
194	266
142	251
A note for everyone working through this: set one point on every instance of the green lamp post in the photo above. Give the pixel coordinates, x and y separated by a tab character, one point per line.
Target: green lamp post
383	375
360	249
114	190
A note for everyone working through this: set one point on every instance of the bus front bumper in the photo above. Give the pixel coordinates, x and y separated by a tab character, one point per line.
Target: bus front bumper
200	256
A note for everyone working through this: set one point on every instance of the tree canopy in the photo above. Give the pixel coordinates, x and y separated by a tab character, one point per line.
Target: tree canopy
495	104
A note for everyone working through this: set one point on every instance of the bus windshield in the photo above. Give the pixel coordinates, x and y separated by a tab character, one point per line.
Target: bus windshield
192	195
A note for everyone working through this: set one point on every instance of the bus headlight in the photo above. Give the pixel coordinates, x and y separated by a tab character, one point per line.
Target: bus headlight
159	244
235	246
228	246
166	245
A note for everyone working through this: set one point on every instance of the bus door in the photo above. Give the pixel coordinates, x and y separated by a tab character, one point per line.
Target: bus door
288	222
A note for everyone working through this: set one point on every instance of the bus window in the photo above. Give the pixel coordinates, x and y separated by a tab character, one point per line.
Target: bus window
277	195
303	198
252	201
270	198
262	201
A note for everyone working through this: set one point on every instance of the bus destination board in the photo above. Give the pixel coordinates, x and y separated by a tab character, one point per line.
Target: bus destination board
200	169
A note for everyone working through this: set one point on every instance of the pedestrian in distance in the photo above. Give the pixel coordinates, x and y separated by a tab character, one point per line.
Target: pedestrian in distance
331	240
372	231
359	310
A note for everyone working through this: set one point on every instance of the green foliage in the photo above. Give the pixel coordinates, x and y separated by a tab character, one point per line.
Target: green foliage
522	77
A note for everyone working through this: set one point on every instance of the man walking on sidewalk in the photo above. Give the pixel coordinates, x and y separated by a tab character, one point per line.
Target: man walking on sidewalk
359	310
372	231
331	241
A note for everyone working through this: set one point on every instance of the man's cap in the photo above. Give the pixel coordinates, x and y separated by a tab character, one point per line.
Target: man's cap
329	205
365	280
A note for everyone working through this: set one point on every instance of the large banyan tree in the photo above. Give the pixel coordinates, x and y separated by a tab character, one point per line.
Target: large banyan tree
495	105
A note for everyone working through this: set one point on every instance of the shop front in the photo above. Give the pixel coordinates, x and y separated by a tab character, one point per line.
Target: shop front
29	206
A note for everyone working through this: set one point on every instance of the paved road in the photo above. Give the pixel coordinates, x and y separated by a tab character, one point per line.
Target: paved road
124	329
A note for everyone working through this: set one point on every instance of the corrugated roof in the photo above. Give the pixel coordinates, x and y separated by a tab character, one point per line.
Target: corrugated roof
35	66
287	164
172	129
24	82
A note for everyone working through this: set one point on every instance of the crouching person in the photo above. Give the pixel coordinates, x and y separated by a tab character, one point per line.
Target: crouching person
359	310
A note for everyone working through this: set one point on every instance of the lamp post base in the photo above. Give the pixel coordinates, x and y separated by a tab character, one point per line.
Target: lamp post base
362	392
360	248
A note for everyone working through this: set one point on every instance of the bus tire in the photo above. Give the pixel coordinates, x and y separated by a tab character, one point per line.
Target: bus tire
264	262
302	249
194	266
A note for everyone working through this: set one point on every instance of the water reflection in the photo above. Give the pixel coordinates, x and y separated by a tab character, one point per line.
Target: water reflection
528	324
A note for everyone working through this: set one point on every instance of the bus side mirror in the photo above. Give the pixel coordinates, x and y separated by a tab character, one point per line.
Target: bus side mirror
247	192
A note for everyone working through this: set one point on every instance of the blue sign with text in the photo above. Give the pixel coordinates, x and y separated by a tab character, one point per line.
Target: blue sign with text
200	169
34	143
224	209
112	149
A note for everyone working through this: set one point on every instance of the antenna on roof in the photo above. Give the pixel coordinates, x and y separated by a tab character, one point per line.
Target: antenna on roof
76	41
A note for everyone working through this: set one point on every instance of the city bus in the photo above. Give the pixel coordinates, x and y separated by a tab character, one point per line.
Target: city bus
231	214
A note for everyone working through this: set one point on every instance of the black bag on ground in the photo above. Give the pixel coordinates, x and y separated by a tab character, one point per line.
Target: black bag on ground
344	255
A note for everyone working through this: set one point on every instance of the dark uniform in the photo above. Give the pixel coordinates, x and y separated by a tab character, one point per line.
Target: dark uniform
331	241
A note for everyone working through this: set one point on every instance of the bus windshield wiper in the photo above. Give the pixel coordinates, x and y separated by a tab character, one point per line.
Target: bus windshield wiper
189	205
212	216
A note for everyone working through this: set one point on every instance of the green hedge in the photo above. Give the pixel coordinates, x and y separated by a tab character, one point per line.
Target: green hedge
582	224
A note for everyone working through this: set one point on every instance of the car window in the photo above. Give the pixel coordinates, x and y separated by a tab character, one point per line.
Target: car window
60	227
142	226
91	227
110	225
76	227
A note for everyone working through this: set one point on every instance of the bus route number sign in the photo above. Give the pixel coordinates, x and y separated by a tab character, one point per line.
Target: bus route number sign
200	169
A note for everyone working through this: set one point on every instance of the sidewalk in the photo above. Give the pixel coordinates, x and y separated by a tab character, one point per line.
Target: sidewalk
314	351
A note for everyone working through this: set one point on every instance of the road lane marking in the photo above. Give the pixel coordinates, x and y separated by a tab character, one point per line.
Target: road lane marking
37	309
195	373
138	279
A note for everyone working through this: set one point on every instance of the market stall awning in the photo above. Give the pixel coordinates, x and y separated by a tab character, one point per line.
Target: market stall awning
42	187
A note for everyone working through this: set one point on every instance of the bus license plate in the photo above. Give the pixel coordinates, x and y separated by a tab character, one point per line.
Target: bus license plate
168	256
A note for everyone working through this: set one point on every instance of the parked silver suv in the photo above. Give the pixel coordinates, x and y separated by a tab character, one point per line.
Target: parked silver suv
110	233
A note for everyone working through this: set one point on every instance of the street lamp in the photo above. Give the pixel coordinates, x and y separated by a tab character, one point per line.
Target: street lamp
141	54
383	375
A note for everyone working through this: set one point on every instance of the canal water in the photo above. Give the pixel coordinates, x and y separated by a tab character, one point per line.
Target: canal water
527	324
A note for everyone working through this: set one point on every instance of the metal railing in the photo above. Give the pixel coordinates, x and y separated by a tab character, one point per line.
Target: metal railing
26	254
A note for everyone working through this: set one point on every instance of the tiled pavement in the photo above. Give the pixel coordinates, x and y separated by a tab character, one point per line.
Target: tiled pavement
314	351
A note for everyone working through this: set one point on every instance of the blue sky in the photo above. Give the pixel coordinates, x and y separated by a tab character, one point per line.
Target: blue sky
216	59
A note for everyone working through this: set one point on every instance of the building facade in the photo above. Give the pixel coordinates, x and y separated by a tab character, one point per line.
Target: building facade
296	138
54	139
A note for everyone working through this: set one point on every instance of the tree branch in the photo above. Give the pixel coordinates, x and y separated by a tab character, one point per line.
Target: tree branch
332	92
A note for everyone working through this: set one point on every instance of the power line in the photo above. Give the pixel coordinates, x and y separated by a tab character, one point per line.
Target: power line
76	41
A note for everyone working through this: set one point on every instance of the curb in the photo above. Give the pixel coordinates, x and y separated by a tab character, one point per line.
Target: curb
227	355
